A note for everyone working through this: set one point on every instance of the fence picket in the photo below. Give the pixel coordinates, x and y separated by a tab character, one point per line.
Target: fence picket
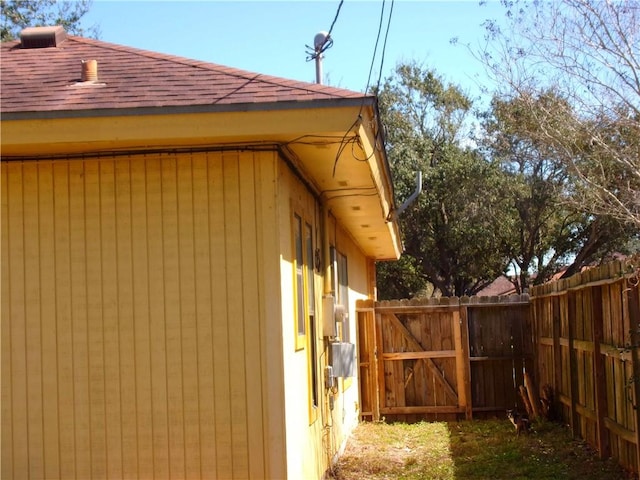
459	356
595	317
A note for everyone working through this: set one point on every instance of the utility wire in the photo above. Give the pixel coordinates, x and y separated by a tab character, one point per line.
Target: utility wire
382	56
375	48
359	117
384	47
373	60
315	51
335	19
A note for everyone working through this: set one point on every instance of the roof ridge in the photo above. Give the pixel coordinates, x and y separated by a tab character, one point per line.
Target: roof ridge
212	66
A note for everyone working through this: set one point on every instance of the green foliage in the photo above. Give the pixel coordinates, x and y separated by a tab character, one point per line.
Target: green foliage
554	183
453	232
512	200
457	226
401	279
551	229
18	14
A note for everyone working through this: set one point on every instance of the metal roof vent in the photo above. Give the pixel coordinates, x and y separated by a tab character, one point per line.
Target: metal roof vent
42	37
89	70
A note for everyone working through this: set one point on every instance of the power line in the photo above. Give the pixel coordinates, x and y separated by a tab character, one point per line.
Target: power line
382	55
316	50
373	60
384	47
375	48
335	18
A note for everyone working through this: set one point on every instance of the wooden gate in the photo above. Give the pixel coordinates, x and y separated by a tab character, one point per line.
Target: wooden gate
441	359
500	351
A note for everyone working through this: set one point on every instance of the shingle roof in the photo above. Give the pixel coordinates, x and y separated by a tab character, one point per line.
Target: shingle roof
48	80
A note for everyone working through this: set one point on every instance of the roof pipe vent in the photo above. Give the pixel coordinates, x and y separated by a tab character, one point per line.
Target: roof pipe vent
42	37
89	71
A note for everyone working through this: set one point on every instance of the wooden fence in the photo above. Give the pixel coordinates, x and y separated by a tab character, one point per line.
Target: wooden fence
443	358
586	329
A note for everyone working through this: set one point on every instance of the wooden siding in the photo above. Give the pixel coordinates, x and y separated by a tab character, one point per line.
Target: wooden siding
140	338
313	441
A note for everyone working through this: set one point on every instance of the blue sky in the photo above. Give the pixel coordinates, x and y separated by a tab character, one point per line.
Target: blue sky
270	36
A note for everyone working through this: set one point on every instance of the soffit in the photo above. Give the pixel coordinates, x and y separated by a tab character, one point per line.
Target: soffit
330	147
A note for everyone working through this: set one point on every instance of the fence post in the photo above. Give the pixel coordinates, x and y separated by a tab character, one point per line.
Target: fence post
557	355
463	368
380	387
368	370
599	374
375	385
573	376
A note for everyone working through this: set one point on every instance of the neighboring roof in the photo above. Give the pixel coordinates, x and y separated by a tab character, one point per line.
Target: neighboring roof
503	285
49	79
500	286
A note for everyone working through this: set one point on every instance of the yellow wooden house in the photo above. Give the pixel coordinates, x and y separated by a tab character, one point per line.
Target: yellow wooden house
183	245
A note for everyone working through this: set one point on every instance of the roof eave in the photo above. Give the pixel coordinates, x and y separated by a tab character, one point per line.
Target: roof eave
190	109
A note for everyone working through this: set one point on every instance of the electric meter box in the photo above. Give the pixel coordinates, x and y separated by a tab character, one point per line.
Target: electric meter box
332	314
343	359
329	328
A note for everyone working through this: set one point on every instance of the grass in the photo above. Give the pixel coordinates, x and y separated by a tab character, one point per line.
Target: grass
487	449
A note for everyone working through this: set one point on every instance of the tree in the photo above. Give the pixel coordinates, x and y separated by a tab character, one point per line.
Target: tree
453	232
549	232
588	53
401	279
18	14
